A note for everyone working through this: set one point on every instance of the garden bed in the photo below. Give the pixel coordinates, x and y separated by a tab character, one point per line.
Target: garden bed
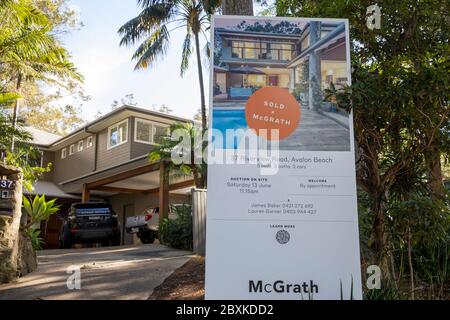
186	283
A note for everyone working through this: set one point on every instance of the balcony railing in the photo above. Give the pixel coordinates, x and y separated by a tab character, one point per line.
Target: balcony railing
259	54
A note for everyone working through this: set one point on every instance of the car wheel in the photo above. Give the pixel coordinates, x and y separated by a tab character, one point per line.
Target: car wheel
64	244
147	239
106	243
115	241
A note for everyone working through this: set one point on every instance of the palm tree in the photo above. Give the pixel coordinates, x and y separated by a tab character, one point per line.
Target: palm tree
152	28
184	149
29	51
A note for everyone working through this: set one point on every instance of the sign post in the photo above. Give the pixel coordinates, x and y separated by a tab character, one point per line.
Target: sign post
282	217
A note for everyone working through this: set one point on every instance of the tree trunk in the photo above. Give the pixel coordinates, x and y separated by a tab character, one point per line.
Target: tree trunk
378	228
200	80
435	178
237	7
16	110
410	262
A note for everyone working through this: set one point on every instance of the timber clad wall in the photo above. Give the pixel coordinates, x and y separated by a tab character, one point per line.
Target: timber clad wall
83	162
75	165
114	156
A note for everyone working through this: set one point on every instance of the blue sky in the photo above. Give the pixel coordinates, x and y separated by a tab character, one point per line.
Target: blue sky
108	70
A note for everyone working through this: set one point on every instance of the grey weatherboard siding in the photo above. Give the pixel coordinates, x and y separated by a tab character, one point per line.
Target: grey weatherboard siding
74	165
82	163
114	156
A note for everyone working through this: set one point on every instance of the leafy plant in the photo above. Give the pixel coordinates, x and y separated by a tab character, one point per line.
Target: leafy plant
152	28
186	147
177	233
351	290
388	291
23	157
38	210
36	240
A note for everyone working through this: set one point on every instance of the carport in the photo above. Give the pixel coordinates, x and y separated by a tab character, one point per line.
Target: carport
130	188
150	179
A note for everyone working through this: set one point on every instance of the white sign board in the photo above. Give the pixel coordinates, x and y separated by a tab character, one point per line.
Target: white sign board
282	217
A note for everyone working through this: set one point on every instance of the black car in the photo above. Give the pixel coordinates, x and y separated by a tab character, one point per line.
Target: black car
93	222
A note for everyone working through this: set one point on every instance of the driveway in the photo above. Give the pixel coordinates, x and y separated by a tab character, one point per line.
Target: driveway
128	272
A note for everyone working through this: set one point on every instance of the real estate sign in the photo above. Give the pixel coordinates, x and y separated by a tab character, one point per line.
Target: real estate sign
282	213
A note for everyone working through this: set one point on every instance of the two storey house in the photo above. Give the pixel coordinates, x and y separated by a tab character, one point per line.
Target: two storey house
107	159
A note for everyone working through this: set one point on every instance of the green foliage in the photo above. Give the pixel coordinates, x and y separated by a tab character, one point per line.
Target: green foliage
185	144
424	224
44	111
32	57
38	210
7	131
152	28
283	27
35	237
400	101
177	233
27	158
388	291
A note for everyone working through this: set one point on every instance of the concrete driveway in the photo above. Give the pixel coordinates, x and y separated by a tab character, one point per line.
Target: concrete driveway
128	272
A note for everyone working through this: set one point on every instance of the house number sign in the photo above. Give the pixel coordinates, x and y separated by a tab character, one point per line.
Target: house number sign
7	184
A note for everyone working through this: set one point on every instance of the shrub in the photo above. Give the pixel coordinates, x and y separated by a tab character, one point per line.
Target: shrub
35	237
177	233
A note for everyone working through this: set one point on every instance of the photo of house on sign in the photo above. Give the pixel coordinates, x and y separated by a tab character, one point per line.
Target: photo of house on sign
307	59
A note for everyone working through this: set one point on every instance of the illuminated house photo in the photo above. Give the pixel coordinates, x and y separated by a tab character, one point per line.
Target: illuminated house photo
305	58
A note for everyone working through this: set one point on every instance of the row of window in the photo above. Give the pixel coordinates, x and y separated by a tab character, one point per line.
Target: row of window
79	145
262	50
145	132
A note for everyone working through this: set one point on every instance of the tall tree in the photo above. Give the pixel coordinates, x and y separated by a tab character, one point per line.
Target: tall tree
30	52
237	7
152	29
399	96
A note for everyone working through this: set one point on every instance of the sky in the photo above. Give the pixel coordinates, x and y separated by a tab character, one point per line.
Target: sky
109	72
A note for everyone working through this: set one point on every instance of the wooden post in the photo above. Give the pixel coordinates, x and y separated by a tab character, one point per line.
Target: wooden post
86	194
163	192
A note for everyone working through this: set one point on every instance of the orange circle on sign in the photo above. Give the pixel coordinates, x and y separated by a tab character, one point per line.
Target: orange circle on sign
273	108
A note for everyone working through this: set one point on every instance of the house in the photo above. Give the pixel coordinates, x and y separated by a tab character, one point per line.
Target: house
308	59
107	159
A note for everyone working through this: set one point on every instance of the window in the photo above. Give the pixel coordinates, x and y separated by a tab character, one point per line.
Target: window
118	134
90	142
245	49
256	80
80	145
159	132
143	131
71	149
63	153
148	132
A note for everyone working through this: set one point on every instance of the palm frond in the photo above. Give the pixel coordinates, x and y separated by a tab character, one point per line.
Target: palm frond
147	22
8	98
186	54
152	48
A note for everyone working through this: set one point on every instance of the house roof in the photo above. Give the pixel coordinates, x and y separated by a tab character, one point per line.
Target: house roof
41	137
258	34
50	189
111	118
